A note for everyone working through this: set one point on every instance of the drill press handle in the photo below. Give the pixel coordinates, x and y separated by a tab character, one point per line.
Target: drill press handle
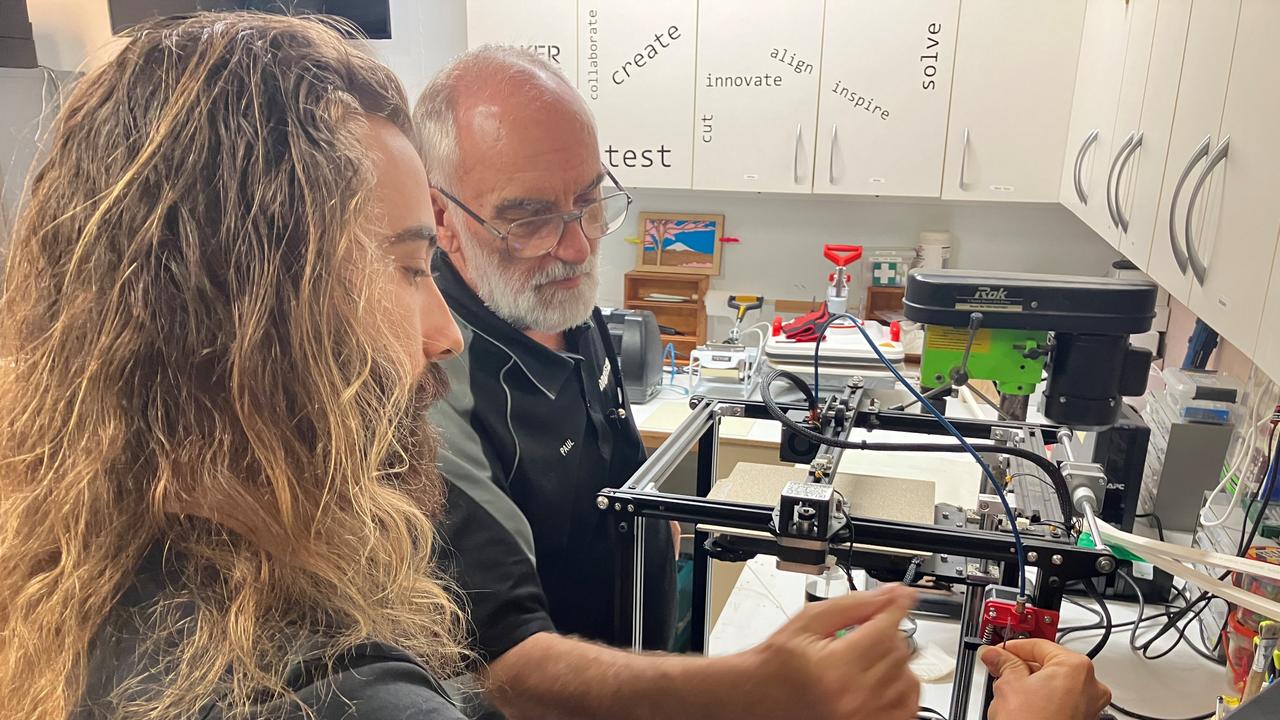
743	304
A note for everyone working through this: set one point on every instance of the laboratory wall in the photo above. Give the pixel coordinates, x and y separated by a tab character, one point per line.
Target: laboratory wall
781	237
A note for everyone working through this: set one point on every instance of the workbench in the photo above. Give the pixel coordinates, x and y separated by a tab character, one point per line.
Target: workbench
751	600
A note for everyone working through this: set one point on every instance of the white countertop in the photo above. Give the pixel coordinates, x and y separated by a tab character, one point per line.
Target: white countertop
1180	685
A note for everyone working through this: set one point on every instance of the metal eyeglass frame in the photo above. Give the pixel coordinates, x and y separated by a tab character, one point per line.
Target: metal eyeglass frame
566	217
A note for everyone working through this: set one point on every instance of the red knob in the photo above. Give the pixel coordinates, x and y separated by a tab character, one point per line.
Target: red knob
895	331
777	325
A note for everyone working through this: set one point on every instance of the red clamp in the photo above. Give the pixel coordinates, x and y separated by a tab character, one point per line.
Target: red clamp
1001	620
895	331
776	330
842	255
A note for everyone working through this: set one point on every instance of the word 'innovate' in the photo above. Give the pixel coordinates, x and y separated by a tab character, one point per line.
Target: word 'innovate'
724	81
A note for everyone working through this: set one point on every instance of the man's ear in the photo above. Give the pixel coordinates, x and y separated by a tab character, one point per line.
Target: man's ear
446	233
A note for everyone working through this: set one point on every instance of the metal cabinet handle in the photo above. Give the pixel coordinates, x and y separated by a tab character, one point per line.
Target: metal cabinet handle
1111	176
1198	267
795	157
964	156
1124	164
1201	153
1089	140
831	157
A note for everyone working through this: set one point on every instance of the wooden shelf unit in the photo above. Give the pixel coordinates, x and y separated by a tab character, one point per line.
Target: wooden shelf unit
688	318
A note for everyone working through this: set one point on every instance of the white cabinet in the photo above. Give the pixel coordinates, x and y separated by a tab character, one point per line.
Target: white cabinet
756	94
546	27
1152	85
636	73
882	104
1202	90
1011	99
1093	149
1231	257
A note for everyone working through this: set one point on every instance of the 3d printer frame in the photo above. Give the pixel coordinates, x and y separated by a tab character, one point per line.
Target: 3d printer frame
748	528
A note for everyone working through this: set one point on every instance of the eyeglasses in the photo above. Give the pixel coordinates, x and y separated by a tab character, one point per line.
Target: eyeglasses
536	236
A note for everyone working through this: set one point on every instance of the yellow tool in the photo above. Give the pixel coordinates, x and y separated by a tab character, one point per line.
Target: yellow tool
743	304
1268	637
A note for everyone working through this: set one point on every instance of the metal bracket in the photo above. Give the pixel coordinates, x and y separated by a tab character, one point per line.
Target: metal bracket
1086	482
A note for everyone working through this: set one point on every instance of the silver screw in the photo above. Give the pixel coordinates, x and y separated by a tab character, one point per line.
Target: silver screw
991	613
1056	559
1033	556
1105	565
943	558
946	516
1047	619
631	508
984	507
602	503
617	507
1062	399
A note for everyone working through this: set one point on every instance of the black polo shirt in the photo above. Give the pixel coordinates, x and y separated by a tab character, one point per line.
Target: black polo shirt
530	436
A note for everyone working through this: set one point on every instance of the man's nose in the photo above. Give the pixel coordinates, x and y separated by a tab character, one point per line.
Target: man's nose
441	337
574	247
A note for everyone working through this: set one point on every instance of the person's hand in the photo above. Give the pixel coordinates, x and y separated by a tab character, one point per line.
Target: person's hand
1041	679
862	674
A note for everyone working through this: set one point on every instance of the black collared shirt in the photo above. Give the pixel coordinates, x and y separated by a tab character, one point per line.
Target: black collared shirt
530	436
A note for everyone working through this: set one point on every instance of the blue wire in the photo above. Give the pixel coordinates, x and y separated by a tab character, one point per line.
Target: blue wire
670	350
924	403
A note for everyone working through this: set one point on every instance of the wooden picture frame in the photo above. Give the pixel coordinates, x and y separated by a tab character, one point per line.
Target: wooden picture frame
677	243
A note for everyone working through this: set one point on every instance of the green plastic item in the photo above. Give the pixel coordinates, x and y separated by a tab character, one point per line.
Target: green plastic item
1121	552
997	355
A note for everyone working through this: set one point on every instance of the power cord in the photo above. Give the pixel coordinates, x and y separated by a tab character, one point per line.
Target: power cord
1099	646
942	420
1140	716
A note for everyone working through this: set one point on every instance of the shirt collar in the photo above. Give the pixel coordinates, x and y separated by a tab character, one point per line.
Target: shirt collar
544	366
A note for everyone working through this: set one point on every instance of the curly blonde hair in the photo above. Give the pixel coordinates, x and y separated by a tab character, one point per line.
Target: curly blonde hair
193	360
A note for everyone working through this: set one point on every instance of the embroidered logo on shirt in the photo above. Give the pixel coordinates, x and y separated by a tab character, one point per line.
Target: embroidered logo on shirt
566	447
604	375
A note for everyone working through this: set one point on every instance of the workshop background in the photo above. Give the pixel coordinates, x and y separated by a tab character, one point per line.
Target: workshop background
1055	136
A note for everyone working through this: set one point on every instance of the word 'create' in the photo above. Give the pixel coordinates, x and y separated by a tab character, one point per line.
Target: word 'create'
647	53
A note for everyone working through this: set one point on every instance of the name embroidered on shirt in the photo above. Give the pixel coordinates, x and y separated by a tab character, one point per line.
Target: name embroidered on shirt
566	447
604	375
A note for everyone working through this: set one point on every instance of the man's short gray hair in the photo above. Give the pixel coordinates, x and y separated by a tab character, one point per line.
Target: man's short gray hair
435	115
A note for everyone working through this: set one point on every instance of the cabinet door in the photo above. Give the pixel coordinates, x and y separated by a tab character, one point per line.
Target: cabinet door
1011	99
1141	178
1206	64
546	27
756	94
882	105
636	74
1239	239
1091	143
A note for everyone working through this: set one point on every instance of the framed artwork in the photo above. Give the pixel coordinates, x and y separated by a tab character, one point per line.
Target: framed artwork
680	243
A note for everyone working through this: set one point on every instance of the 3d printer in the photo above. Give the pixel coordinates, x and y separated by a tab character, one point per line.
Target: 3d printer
991	325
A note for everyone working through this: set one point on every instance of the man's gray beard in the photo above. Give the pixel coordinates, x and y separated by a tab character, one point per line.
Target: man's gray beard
529	303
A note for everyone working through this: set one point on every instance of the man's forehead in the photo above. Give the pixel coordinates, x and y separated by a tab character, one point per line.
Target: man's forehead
550	165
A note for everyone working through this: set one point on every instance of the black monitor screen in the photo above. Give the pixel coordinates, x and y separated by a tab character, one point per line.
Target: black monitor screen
373	17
